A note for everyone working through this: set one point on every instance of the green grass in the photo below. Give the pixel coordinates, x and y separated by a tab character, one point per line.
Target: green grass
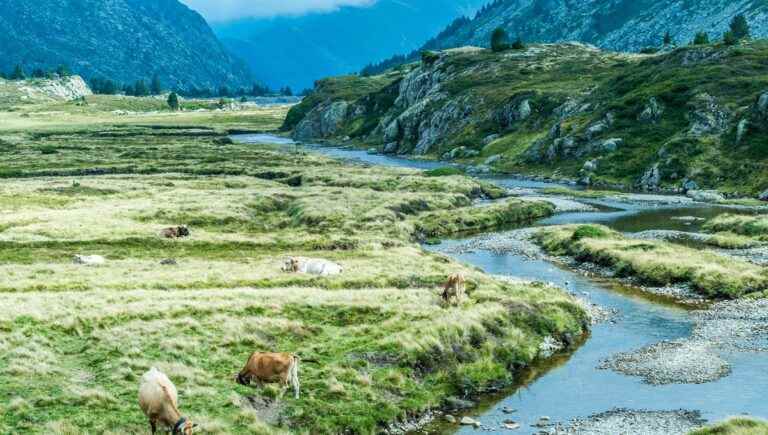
483	218
751	226
656	263
735	426
74	340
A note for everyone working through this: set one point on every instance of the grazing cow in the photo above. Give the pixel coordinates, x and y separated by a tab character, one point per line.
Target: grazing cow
454	288
313	266
159	401
269	367
88	260
175	232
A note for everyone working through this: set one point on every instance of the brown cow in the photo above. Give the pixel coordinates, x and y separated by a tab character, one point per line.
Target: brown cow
454	288
175	232
270	367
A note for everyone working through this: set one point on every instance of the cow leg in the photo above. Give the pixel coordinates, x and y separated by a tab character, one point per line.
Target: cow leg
153	426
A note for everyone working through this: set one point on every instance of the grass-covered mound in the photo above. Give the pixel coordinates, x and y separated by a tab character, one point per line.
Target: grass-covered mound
656	262
735	426
74	340
752	226
481	218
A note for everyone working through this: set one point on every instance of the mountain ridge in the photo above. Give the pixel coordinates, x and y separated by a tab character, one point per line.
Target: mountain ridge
121	40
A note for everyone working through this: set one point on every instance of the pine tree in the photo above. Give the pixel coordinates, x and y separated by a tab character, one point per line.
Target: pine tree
499	40
286	91
667	38
173	101
18	73
701	38
63	71
140	88
518	44
155	87
740	27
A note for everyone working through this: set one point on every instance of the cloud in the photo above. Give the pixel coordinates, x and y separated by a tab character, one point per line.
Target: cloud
223	10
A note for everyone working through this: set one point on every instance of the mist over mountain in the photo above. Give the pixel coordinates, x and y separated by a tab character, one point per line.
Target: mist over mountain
297	50
123	40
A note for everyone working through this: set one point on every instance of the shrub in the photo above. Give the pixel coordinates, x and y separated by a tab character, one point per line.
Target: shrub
729	38
518	44
588	232
701	38
429	57
443	172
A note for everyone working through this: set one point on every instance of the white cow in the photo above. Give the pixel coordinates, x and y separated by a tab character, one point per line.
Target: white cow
313	266
89	260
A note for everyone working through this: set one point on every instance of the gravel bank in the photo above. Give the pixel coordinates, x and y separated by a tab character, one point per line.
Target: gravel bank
740	325
671	362
517	242
636	422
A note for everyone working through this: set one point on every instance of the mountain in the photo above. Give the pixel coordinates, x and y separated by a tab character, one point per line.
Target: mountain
693	117
622	25
296	51
123	40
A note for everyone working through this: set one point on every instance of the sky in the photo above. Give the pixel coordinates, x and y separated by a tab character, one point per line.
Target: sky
225	10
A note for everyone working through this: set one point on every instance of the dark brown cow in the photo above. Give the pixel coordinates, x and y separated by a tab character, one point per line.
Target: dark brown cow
175	232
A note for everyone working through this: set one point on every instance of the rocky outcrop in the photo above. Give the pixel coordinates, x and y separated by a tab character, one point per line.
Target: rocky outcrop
707	116
651	179
519	109
652	111
322	122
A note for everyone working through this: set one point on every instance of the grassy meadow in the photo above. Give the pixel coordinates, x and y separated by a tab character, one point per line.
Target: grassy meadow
74	339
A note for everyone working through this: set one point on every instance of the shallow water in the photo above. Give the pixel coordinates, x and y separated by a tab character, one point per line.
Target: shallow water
573	386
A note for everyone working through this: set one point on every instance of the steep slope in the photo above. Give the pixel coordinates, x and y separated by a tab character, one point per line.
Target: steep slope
623	25
123	40
42	90
693	116
296	51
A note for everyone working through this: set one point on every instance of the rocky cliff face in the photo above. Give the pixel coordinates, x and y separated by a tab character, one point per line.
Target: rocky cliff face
43	90
123	40
625	25
691	116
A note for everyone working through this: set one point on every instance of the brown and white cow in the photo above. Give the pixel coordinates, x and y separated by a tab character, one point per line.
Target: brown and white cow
159	401
271	367
175	232
454	288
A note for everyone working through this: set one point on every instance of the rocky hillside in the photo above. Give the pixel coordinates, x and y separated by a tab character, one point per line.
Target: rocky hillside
622	25
123	40
42	90
695	116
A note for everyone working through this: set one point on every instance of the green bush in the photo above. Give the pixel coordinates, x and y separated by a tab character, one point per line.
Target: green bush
588	232
443	172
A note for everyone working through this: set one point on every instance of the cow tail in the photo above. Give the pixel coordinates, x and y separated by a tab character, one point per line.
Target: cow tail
294	374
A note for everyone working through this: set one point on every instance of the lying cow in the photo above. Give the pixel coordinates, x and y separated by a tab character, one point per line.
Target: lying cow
175	232
454	288
89	260
268	367
159	401
313	266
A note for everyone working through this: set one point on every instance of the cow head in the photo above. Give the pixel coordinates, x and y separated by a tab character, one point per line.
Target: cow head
242	379
183	231
291	265
183	427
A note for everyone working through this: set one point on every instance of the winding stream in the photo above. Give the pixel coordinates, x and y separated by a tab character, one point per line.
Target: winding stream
572	386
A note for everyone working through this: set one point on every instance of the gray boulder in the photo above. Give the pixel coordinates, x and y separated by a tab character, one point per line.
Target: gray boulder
707	116
490	138
390	148
705	195
763	196
651	179
493	159
652	111
689	185
741	130
590	165
611	145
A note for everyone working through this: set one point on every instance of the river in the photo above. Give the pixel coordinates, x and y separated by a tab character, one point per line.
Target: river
571	386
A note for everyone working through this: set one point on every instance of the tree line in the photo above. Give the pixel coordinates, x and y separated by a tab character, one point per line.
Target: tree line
19	73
